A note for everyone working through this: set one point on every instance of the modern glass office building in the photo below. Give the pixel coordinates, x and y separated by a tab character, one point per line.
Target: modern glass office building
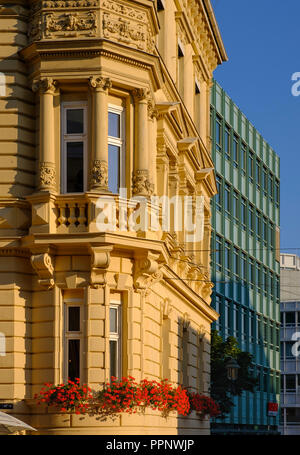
289	352
245	259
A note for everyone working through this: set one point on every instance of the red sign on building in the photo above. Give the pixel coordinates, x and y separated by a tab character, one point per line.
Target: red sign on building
272	409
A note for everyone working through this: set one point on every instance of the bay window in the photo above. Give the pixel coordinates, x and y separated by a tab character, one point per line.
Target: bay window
74	147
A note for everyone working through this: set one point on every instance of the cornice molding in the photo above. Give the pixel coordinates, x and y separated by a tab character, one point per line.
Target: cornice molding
16	252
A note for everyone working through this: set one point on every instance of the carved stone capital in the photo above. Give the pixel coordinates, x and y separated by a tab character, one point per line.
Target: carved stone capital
207	290
141	94
201	332
166	308
45	85
100	84
152	112
99	175
147	271
185	321
100	260
47	175
141	185
42	264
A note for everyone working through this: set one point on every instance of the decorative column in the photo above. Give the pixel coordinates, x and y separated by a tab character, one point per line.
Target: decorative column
152	140
203	112
99	165
141	182
46	87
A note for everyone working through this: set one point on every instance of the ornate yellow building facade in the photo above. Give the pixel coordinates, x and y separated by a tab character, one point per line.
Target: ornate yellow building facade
100	95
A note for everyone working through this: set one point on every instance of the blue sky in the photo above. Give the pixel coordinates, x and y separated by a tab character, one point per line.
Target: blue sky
262	40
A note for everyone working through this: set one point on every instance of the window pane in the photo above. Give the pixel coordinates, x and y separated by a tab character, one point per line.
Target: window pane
74	359
290	317
219	198
113	124
113	168
250	164
113	314
75	167
74	121
219	252
113	349
227	142
227	197
227	255
288	349
235	150
290	382
218	133
74	319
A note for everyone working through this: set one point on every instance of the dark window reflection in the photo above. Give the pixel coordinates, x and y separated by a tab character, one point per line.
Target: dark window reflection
74	319
113	357
75	167
74	359
74	121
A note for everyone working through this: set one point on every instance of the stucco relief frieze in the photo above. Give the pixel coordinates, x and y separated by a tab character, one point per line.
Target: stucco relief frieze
48	24
124	10
71	18
127	25
125	31
67	24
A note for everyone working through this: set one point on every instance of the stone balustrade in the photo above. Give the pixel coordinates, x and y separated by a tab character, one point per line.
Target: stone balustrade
72	214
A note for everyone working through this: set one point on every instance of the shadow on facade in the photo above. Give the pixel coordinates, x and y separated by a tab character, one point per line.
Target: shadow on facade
193	373
19	141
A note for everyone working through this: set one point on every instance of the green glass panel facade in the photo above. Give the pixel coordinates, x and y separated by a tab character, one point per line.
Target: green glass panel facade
245	267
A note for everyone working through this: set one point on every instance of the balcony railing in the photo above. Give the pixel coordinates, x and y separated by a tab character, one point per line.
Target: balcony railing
90	212
71	214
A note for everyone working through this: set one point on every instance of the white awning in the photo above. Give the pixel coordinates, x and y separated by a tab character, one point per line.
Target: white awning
9	424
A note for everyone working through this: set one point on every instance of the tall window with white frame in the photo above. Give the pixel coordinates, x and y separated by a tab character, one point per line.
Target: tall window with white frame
116	148
115	338
197	105
74	147
73	336
180	68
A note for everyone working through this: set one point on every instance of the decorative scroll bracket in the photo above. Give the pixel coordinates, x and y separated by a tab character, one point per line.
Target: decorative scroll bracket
147	271
43	265
100	260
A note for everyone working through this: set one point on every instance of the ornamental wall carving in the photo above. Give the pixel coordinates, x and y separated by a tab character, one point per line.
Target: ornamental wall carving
70	24
115	21
99	174
147	272
43	265
47	175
